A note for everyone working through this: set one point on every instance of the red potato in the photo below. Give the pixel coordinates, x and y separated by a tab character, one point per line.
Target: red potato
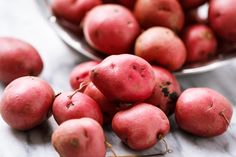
114	32
79	138
200	43
203	112
166	92
221	18
141	126
128	3
108	107
71	105
190	4
80	74
125	78
17	59
166	13
73	10
162	46
26	102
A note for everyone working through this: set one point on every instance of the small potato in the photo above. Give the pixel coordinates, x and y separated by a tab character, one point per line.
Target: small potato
203	112
17	59
111	29
166	92
166	13
26	102
161	46
71	105
125	78
190	4
80	74
222	18
200	43
141	126
79	138
108	108
73	10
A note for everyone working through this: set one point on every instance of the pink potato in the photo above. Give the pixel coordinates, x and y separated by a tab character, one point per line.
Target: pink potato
190	4
79	138
141	126
200	43
222	18
80	74
125	78
17	59
166	92
26	102
73	10
166	13
203	112
111	29
72	105
108	108
162	46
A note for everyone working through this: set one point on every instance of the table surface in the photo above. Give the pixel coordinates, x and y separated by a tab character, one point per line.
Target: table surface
23	20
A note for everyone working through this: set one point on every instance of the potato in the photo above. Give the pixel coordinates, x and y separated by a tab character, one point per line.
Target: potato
190	4
73	10
80	73
17	59
203	112
72	105
26	102
161	46
166	13
125	78
166	91
141	126
200	43
108	108
79	138
221	18
111	28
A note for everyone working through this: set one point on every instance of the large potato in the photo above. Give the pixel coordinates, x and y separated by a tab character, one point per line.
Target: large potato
26	102
203	112
18	58
166	13
111	29
161	46
222	18
125	78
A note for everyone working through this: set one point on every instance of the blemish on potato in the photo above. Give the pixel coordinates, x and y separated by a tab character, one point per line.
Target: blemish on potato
74	142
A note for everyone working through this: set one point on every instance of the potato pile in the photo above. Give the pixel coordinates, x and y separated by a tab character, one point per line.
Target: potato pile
124	90
167	33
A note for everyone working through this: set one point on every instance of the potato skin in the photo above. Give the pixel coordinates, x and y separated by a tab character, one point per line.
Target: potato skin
201	111
80	74
26	102
221	18
166	13
78	106
128	3
140	126
160	45
125	78
73	10
108	108
166	91
114	32
200	43
79	138
17	59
